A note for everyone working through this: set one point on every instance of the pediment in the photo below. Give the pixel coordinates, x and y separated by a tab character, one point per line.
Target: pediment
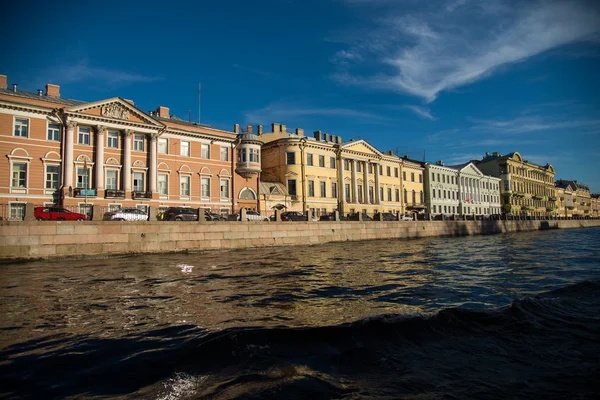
471	170
361	146
115	109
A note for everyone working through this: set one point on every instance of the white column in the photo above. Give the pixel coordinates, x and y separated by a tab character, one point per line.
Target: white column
68	178
354	183
366	183
127	161
377	197
153	163
100	157
342	183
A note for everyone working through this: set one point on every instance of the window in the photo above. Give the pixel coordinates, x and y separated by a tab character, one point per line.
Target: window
380	169
389	171
163	146
83	178
52	176
405	196
184	185
17	211
414	197
309	159
113	140
371	194
438	176
433	177
138	182
347	190
395	172
412	176
83	137
322	161
323	188
358	167
403	175
421	197
389	194
370	168
112	182
359	188
332	162
19	175
21	127
291	187
224	188
185	149
346	165
205	187
381	194
434	209
420	178
224	154
205	151
433	194
334	190
291	158
397	195
138	142
53	132
163	184
242	155
254	156
311	188
443	178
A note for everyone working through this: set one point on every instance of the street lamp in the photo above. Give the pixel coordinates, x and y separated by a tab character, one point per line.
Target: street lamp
85	168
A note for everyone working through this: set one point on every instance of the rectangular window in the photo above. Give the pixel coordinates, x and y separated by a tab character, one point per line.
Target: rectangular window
323	187
163	146
389	194
420	178
224	154
205	151
112	182
21	127
381	194
53	132
359	188
291	187
371	194
185	149
332	162
443	178
17	211
334	190
433	177
347	190
433	194
438	176
322	161
380	169
434	209
389	171
291	158
358	167
138	142
19	175
83	177
395	172
346	165
370	168
112	140
311	188
397	195
83	137
184	185
403	175
52	176
224	189
163	184
138	182
412	176
309	159
205	187
254	155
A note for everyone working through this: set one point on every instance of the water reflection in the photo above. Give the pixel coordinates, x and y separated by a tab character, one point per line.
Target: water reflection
297	286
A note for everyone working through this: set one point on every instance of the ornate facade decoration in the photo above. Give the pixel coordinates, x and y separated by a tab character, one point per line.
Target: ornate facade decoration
115	110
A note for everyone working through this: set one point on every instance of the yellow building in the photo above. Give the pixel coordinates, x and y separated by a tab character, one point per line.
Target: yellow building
323	174
578	199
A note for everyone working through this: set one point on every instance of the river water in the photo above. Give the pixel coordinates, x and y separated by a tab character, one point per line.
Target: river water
502	316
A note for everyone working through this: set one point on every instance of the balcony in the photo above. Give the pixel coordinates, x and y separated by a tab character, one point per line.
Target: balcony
141	195
552	198
538	197
112	194
79	192
415	206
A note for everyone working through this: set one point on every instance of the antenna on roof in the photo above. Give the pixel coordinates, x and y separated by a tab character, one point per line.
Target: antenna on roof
199	91
190	116
423	155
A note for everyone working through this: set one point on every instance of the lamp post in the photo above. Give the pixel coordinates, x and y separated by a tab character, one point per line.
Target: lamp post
86	185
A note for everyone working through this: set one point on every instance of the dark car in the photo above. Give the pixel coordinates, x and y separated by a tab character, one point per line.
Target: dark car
57	214
331	217
212	216
293	216
354	217
179	214
386	216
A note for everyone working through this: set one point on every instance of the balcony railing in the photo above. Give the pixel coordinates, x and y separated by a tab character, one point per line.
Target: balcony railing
141	195
111	193
79	192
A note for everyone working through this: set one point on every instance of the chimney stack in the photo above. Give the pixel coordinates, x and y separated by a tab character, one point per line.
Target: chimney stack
339	139
3	80
14	87
249	129
236	128
259	130
163	112
52	90
299	132
326	137
283	129
318	135
275	128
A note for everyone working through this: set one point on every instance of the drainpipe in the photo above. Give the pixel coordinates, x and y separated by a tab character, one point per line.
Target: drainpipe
59	114
233	157
303	173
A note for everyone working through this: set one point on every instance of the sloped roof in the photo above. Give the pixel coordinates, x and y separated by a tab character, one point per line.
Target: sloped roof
35	96
269	188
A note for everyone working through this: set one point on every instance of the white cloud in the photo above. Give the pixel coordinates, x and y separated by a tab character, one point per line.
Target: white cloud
82	71
422	112
430	51
282	112
532	124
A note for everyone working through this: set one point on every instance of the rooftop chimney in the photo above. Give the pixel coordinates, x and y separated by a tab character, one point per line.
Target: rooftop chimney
249	129
275	127
283	128
259	130
318	135
440	162
299	132
14	87
236	128
3	80
163	111
339	139
52	90
487	154
326	137
496	154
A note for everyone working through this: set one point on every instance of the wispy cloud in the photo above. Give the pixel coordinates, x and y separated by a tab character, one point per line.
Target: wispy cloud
282	112
82	71
422	51
531	124
422	112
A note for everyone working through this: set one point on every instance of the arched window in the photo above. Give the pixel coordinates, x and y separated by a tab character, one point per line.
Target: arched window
247	194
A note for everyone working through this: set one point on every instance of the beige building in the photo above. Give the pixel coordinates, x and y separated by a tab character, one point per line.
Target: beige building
526	189
577	199
322	174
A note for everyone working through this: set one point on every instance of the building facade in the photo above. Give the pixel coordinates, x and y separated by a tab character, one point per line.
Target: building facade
322	174
577	197
526	189
111	153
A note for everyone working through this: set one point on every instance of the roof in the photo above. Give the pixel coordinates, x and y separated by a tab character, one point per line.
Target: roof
35	96
269	187
564	184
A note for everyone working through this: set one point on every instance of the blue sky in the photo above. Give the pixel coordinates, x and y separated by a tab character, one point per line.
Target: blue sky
437	80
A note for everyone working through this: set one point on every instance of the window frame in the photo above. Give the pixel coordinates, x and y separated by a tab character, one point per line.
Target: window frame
112	141
139	142
225	181
188	146
107	179
290	156
158	184
163	143
51	181
205	151
56	129
202	194
187	179
20	126
224	153
81	134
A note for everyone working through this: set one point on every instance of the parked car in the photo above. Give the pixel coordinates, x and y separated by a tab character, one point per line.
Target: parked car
55	213
179	214
252	215
330	217
293	216
126	214
354	217
406	217
212	216
386	216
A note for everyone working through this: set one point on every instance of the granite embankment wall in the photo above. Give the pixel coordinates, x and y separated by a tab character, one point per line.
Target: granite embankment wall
33	239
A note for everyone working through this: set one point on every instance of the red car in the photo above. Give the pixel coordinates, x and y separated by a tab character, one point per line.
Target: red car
57	214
